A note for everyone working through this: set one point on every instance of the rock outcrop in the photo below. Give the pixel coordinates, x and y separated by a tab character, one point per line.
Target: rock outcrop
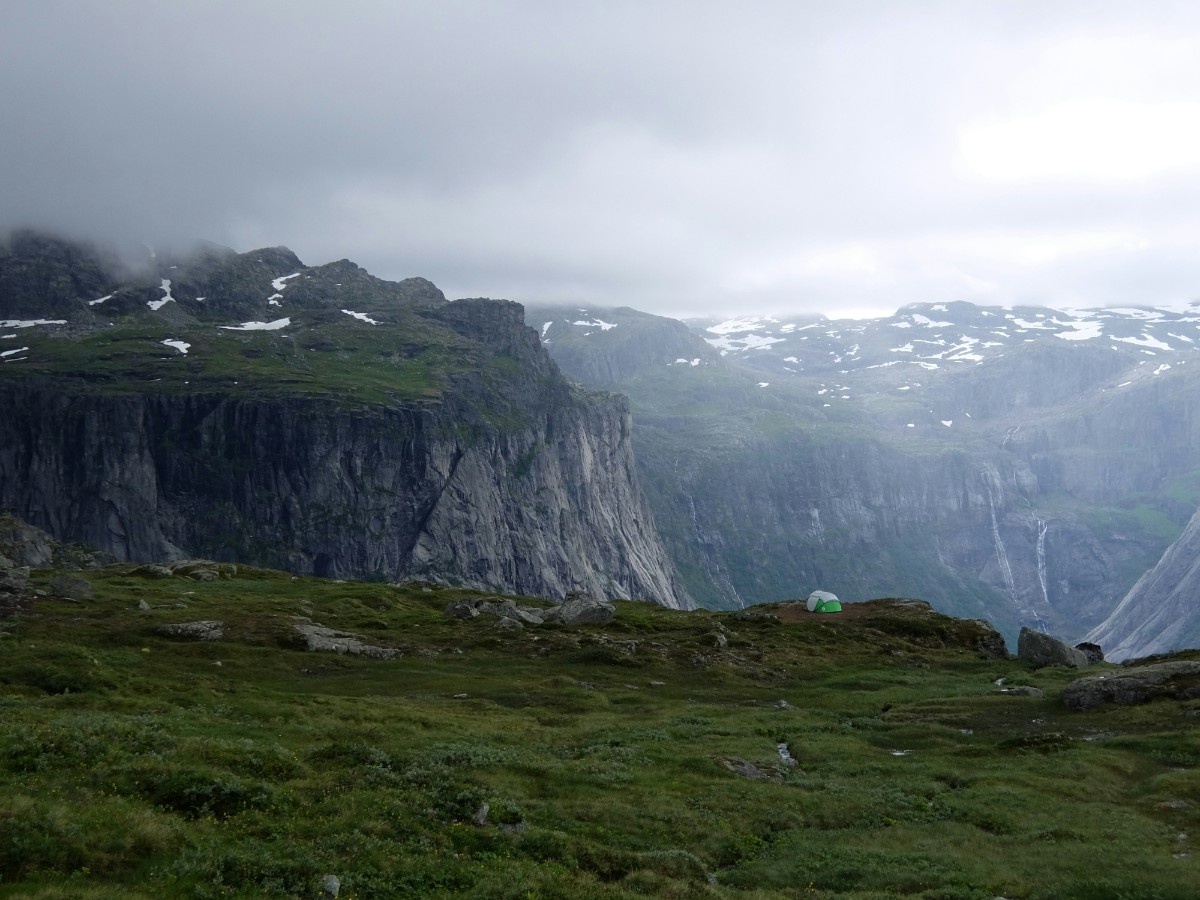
1044	650
448	446
1175	679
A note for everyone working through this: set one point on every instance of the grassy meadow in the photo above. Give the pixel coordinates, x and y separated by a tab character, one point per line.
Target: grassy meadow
649	757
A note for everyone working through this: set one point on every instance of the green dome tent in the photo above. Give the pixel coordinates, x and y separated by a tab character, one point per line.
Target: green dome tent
823	601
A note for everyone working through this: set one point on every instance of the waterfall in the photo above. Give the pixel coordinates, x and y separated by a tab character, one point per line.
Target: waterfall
1001	554
1042	528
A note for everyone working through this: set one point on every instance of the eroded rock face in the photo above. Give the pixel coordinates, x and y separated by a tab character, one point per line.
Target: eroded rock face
1044	650
432	491
1177	679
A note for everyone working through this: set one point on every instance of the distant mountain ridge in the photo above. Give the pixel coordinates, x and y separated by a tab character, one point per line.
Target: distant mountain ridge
1026	465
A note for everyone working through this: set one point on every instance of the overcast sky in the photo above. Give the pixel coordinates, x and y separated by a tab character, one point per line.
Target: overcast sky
680	156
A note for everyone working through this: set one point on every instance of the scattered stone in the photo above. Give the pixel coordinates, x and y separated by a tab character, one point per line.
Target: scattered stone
746	769
513	827
193	631
320	638
461	696
630	647
462	609
1043	650
577	609
1178	680
720	642
14	590
746	615
1174	804
1021	690
14	580
151	571
481	814
509	624
658	684
783	704
1093	652
143	606
71	587
331	886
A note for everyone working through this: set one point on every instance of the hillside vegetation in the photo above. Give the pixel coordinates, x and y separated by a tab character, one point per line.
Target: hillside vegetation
650	756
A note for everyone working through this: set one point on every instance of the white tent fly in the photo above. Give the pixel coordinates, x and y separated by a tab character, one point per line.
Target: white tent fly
823	601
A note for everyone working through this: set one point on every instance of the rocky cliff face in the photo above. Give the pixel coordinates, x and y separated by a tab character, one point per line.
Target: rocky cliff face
353	428
1159	613
304	486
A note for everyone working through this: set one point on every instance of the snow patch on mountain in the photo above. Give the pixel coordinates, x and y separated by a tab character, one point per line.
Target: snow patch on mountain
1144	341
29	323
166	298
1081	331
258	326
362	317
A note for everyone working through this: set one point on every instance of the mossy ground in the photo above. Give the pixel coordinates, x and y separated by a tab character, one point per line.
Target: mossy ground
136	766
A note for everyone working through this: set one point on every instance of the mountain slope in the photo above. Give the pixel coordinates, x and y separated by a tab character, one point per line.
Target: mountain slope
1160	613
248	408
1023	465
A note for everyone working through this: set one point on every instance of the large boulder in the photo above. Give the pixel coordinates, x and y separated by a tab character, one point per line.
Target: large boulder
1093	652
580	609
71	587
1043	650
14	590
1178	679
319	638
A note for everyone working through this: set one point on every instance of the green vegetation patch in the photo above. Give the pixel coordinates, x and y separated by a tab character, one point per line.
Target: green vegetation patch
666	754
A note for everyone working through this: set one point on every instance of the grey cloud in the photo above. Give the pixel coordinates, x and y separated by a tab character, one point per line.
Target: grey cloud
674	156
